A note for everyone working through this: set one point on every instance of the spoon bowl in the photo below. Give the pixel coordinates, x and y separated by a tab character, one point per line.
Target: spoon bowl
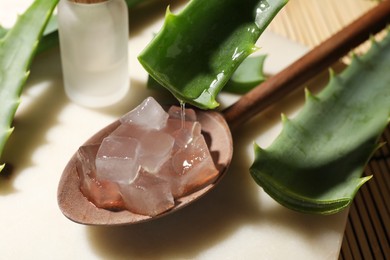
75	206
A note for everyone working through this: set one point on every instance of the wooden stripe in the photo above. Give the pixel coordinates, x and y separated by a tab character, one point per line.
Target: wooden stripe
371	222
350	243
368	227
357	226
378	205
310	22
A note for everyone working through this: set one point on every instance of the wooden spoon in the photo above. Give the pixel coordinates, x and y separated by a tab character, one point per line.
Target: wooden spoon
215	126
77	208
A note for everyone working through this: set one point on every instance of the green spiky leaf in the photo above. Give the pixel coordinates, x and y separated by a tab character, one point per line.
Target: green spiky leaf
315	165
49	38
17	48
197	51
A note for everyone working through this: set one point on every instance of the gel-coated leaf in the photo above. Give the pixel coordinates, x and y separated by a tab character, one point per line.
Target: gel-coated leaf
316	163
17	47
247	76
197	51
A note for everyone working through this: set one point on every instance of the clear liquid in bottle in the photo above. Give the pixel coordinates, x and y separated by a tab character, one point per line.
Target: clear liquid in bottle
94	51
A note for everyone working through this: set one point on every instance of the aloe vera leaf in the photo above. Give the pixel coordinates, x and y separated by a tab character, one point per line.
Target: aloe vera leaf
17	49
49	38
50	35
132	3
3	31
48	41
197	50
248	75
316	163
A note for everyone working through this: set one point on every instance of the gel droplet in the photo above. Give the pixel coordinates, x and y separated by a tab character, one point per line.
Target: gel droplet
261	8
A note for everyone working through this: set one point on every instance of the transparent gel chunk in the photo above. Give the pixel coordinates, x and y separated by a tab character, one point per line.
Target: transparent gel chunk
149	114
147	195
117	159
130	131
151	158
156	147
191	168
103	194
185	134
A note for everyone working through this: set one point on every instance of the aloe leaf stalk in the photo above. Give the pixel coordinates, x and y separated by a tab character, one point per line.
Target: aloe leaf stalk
197	50
17	48
316	163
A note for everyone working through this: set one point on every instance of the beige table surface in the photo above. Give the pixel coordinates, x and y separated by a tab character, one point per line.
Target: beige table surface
235	221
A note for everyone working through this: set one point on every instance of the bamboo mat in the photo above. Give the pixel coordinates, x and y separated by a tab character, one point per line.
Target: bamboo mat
312	21
367	233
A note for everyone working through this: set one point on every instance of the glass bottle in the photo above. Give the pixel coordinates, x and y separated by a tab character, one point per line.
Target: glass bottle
94	50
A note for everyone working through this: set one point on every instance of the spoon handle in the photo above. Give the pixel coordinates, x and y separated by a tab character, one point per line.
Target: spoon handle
315	61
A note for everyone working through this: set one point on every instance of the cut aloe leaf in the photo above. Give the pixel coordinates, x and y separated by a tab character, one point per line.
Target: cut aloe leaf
247	76
316	163
197	51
